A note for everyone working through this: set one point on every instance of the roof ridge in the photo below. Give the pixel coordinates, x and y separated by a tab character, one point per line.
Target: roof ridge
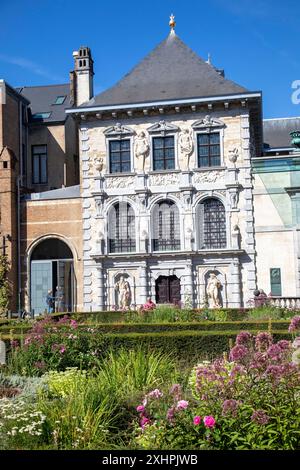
43	86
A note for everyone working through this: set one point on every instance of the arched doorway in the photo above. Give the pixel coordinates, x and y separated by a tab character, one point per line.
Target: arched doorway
52	269
167	290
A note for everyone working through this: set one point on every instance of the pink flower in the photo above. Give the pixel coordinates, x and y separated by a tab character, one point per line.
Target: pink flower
62	350
144	421
73	324
140	409
197	420
155	394
209	421
182	405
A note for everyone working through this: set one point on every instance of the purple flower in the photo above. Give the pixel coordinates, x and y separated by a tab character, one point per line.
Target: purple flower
263	341
155	394
230	408
260	417
14	343
73	324
182	405
238	353
197	420
284	344
295	324
274	351
40	365
209	421
62	350
144	421
176	391
140	409
244	338
171	414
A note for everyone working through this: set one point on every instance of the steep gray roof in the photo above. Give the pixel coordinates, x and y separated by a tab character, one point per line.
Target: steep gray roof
171	71
42	99
277	131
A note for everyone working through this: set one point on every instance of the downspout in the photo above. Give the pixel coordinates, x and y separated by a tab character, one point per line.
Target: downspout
19	178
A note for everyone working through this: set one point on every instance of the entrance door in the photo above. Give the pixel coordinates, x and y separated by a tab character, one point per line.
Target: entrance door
167	289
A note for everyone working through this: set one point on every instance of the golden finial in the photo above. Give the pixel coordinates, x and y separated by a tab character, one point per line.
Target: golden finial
172	22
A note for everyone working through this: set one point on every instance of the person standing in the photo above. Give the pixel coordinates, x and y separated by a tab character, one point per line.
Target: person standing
50	301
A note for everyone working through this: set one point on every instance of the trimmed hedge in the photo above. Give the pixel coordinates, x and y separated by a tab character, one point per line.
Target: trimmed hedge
187	346
161	327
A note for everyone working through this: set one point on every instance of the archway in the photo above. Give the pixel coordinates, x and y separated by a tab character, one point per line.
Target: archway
167	290
52	275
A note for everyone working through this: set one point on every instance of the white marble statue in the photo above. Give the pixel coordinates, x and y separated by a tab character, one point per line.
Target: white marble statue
141	150
186	145
212	291
123	289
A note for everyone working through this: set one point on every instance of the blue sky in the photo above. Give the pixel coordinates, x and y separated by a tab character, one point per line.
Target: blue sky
255	41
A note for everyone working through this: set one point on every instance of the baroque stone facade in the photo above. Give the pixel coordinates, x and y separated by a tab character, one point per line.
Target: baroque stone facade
230	183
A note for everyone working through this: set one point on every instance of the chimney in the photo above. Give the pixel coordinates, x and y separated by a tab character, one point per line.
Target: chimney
81	79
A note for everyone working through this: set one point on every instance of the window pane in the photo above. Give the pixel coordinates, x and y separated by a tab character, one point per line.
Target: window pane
125	167
214	225
157	142
214	138
215	150
215	161
125	144
43	170
203	139
36	170
114	145
203	151
158	165
115	168
170	165
169	142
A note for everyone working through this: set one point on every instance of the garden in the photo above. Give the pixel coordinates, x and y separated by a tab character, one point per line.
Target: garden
161	379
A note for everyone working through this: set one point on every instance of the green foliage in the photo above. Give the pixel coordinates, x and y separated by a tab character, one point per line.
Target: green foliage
268	312
4	285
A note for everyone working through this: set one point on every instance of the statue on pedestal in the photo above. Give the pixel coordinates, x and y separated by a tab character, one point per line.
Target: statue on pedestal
212	291
141	150
123	289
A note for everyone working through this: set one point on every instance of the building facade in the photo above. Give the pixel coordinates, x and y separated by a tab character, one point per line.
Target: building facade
168	185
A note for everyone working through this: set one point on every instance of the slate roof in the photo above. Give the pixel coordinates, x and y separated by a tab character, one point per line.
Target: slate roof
277	131
42	99
171	71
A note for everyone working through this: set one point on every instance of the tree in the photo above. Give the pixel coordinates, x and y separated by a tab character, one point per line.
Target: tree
4	285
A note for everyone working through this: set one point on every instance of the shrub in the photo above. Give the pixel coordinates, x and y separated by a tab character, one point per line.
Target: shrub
247	402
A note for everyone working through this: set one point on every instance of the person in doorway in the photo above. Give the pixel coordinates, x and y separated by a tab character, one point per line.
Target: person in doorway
58	299
50	301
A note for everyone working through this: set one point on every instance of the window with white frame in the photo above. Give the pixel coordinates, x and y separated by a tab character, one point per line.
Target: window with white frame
166	226
209	149
212	224
121	228
119	156
163	137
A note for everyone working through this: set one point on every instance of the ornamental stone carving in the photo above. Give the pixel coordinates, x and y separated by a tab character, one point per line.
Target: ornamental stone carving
98	163
186	145
234	198
208	177
141	150
163	128
118	130
208	122
213	291
120	182
233	155
164	179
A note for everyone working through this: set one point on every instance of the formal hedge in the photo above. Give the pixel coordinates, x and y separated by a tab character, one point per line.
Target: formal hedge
123	328
187	346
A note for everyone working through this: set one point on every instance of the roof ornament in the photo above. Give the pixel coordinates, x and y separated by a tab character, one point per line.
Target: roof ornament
208	59
172	23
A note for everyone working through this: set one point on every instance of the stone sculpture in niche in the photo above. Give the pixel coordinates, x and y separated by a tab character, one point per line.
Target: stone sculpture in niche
123	289
141	150
233	155
186	145
213	291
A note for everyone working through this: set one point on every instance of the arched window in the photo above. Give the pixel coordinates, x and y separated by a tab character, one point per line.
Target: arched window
121	228
166	226
212	224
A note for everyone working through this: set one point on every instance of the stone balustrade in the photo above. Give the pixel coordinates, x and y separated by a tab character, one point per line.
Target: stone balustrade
292	303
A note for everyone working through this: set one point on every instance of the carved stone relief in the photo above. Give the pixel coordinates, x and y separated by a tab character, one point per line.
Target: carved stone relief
120	182
208	177
164	179
141	150
186	146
